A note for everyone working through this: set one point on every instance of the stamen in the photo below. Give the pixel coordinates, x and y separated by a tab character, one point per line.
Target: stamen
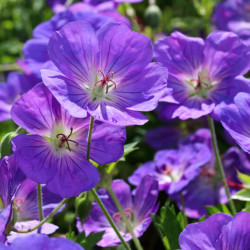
105	80
128	213
168	170
66	139
233	184
210	174
18	203
200	81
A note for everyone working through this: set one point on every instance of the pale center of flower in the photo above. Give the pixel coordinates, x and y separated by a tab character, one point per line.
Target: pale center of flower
200	85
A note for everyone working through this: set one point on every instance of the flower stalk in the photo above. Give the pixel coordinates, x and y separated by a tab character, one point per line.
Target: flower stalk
219	164
40	201
129	227
94	193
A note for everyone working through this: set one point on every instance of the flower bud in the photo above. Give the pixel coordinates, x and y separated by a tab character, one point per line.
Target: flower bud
5	145
153	16
83	206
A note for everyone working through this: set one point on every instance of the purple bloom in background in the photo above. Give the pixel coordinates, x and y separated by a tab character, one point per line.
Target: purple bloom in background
174	169
236	120
57	5
35	50
55	152
104	76
202	74
16	85
21	193
207	188
163	137
234	15
41	242
137	209
220	231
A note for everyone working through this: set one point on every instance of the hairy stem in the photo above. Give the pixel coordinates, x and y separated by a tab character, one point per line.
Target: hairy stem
44	220
129	227
94	193
219	164
40	201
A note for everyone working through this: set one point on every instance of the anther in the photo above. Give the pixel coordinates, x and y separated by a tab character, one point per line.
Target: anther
105	80
66	139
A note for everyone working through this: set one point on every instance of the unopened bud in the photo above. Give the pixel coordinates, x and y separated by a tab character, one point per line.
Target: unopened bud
153	16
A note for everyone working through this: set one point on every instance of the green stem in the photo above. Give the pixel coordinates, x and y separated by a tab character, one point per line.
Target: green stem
98	200
183	209
130	229
219	164
44	220
89	136
40	201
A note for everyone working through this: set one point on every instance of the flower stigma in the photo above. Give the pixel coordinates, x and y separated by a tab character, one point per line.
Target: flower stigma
65	139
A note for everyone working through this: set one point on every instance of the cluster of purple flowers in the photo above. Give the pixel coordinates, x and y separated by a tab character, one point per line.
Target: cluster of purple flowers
88	75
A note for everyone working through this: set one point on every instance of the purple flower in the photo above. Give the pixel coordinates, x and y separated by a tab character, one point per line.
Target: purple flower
5	217
234	15
208	189
202	74
116	2
16	85
220	231
18	196
41	242
174	169
104	76
236	120
57	5
137	209
163	137
55	152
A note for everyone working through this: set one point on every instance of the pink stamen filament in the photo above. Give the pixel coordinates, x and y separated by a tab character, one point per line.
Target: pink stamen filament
105	80
128	213
66	139
200	81
233	184
18	203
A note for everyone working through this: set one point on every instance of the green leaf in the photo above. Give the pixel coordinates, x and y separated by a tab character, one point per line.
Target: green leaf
71	235
90	241
169	226
212	210
244	178
203	218
242	195
129	148
225	209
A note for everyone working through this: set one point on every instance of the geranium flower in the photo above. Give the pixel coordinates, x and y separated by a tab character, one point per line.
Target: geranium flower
18	199
16	84
207	189
236	120
234	15
39	242
174	169
202	74
137	208
55	152
110	78
220	231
